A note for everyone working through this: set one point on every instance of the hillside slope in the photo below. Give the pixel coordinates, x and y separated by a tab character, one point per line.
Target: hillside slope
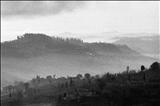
39	54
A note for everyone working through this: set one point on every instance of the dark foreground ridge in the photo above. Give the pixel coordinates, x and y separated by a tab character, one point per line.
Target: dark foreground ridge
129	88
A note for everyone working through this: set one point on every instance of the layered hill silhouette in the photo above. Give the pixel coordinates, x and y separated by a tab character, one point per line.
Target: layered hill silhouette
33	54
148	44
30	45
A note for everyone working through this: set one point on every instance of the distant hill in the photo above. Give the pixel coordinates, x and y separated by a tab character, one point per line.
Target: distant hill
146	45
39	54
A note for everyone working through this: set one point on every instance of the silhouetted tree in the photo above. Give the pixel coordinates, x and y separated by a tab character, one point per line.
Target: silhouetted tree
79	76
54	76
87	76
38	78
155	66
49	78
127	69
142	68
18	37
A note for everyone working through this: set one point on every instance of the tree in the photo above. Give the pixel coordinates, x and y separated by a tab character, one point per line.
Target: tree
26	86
54	76
142	68
10	88
49	78
38	78
87	76
155	66
79	76
127	69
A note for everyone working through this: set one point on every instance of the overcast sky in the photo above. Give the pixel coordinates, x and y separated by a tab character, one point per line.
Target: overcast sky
87	17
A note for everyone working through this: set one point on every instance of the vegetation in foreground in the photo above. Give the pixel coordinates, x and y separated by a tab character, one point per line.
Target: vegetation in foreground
129	88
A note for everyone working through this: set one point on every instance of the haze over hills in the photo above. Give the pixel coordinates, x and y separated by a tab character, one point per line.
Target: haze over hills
38	54
146	45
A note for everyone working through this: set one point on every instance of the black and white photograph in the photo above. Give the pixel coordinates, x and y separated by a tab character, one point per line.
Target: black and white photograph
80	53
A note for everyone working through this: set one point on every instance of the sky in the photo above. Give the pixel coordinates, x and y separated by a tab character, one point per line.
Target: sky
85	19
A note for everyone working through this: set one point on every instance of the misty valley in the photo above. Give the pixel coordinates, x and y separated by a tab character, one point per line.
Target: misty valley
80	53
40	70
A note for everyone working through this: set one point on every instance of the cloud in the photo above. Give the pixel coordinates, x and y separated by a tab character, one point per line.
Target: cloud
38	8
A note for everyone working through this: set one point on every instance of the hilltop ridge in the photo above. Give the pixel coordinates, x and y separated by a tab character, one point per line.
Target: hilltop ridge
31	44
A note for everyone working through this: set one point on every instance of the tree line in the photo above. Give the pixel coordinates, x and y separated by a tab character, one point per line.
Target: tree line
120	89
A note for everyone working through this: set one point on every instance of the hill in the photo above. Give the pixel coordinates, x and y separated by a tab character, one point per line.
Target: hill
33	54
30	45
146	45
